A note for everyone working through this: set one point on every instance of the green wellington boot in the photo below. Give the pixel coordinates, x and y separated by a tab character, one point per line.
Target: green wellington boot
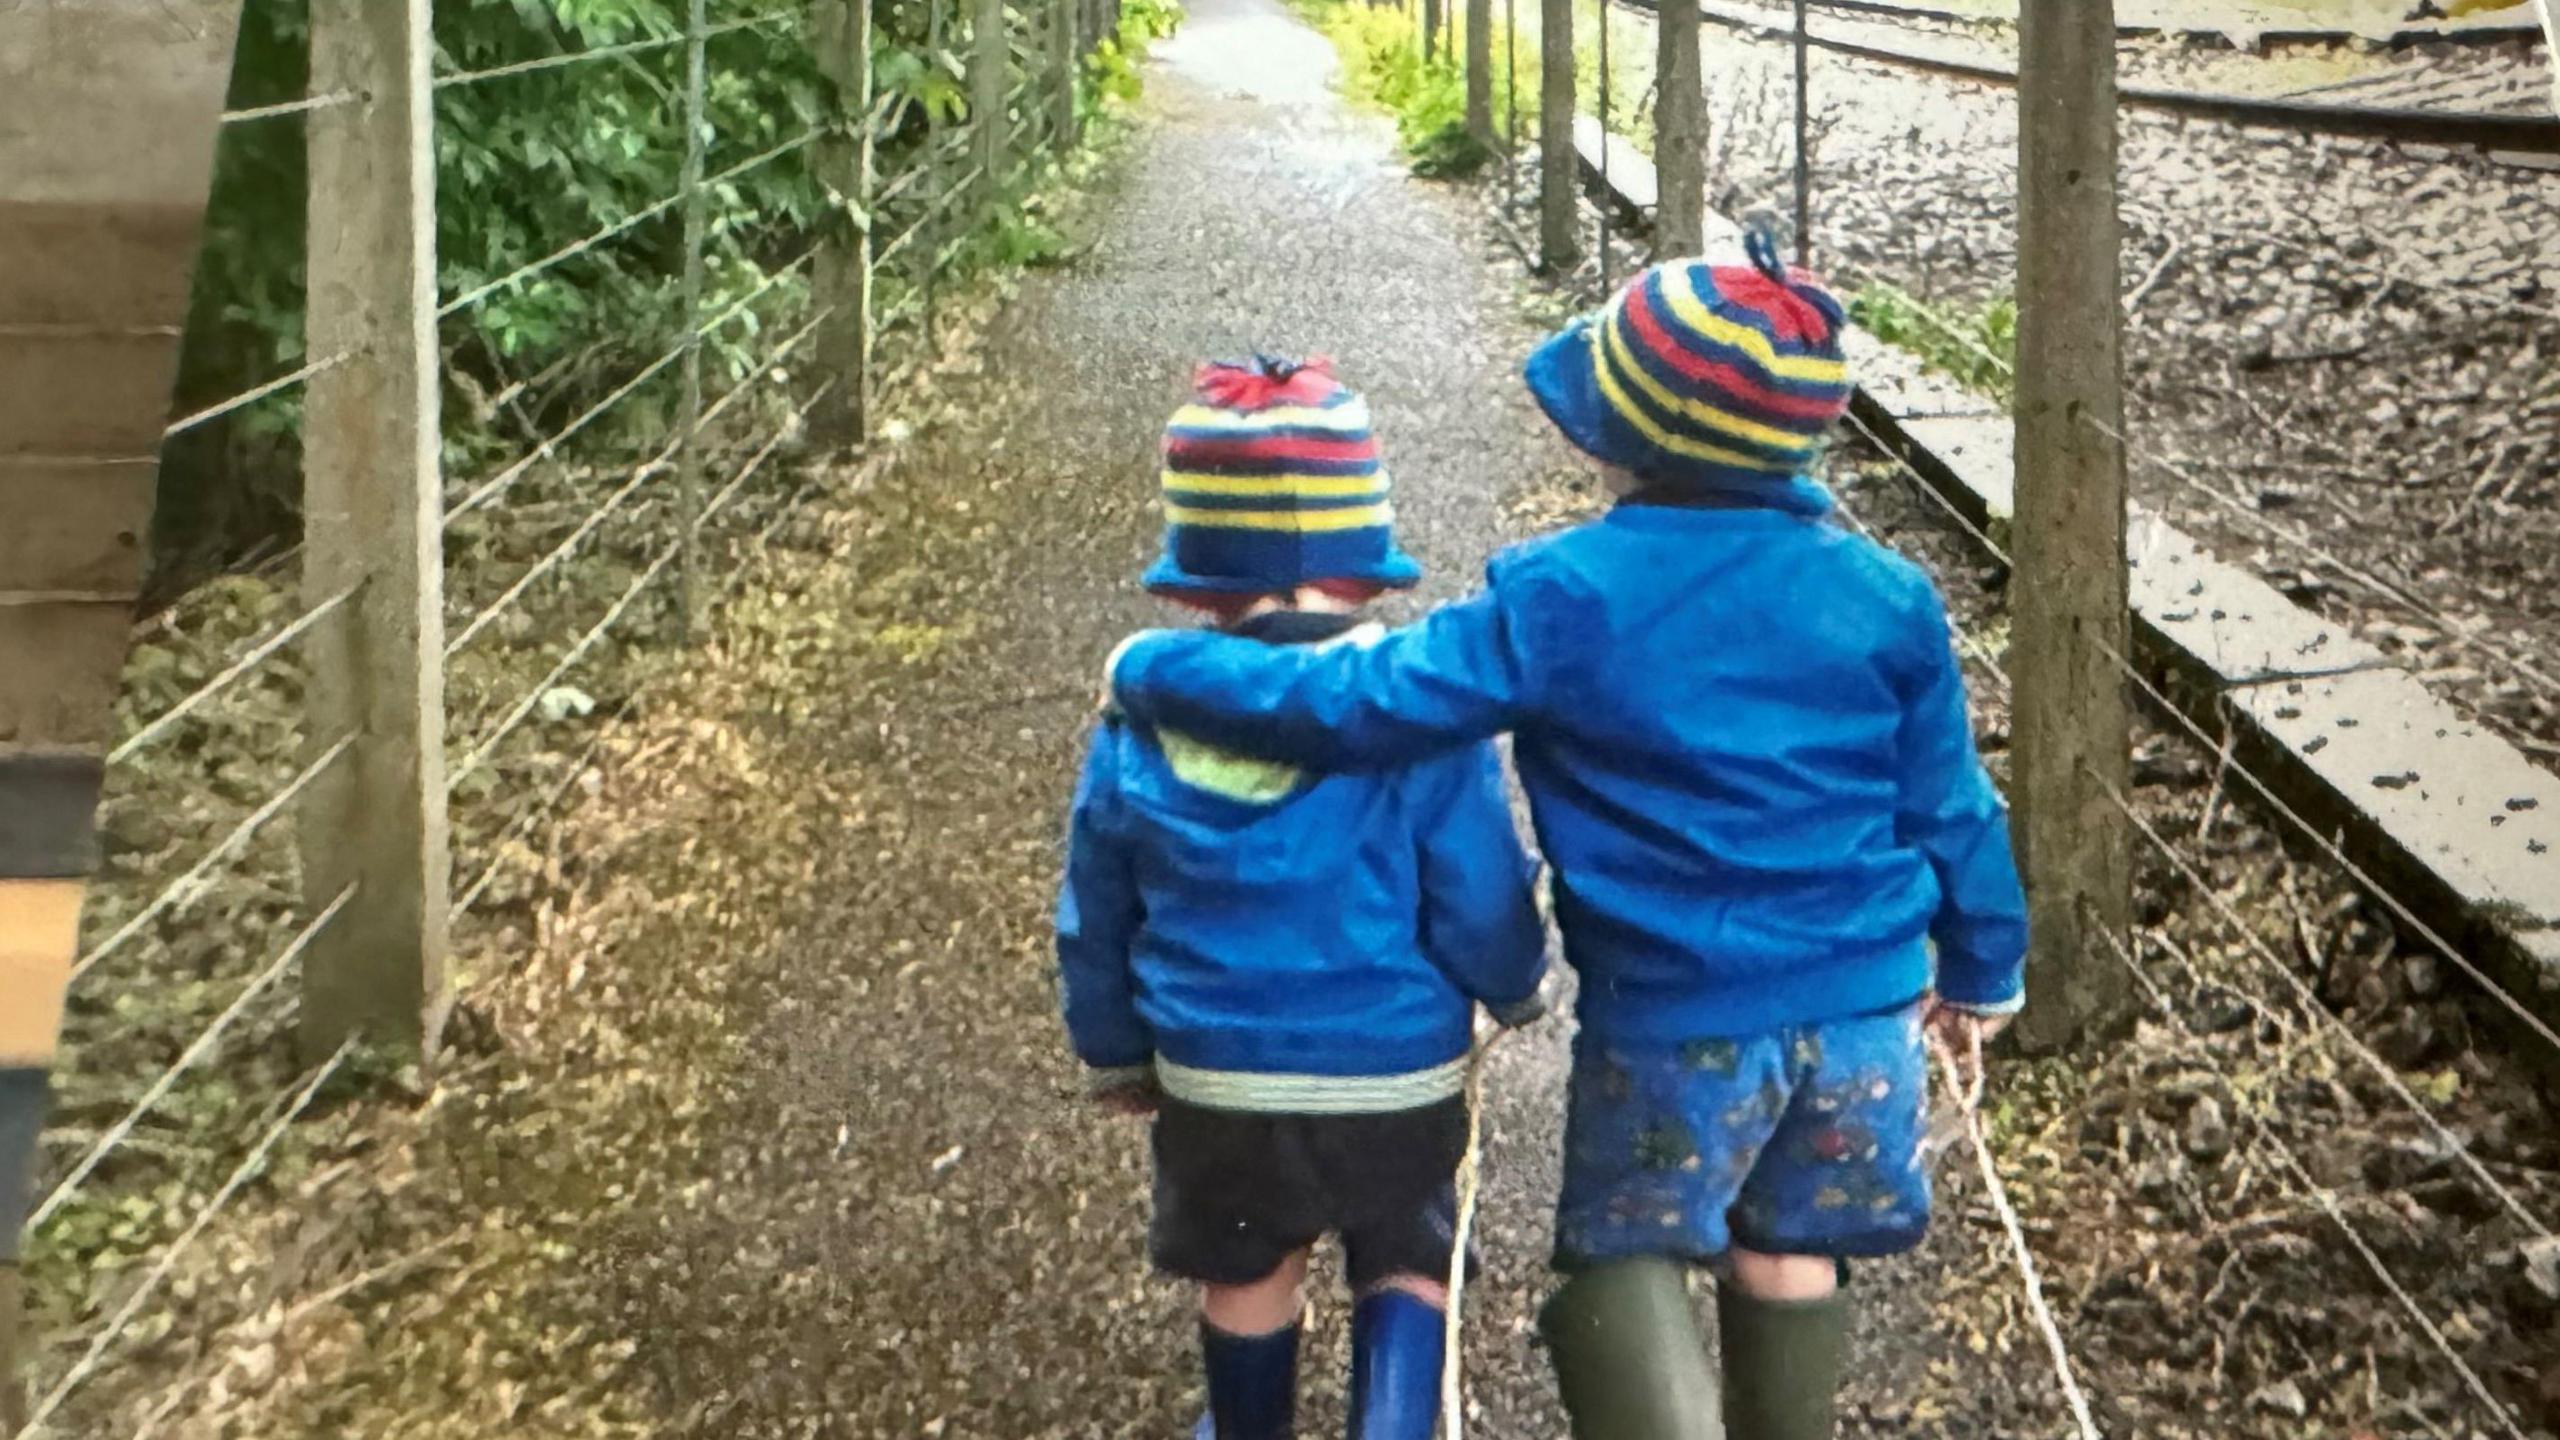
1628	1355
1782	1362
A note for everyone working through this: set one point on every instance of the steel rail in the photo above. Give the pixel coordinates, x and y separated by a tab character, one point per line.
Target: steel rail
2495	32
2474	129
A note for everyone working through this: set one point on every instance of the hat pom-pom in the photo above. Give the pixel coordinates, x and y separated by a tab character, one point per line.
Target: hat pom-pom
1263	381
1810	311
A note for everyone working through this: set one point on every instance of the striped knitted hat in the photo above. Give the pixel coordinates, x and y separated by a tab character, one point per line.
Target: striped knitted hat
1272	481
1725	376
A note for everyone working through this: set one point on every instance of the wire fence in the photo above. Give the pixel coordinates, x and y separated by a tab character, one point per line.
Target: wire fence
2270	984
485	568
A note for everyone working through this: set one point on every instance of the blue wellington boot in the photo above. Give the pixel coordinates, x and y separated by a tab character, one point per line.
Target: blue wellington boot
1398	1342
1253	1384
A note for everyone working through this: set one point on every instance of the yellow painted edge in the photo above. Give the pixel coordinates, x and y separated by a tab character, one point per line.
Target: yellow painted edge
39	934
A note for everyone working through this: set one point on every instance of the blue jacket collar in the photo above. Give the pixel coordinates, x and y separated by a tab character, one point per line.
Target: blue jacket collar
1295	627
1800	496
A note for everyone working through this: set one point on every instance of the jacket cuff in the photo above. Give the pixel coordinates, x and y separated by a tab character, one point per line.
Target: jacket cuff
1111	666
1988	1009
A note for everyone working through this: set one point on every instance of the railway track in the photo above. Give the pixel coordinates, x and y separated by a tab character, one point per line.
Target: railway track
2487	32
2494	132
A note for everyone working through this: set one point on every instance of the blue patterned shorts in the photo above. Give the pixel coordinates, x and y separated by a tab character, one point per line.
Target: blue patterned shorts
1803	1141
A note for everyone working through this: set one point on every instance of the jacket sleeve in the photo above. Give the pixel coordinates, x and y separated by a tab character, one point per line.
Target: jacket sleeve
1098	917
1954	815
1461	675
1480	922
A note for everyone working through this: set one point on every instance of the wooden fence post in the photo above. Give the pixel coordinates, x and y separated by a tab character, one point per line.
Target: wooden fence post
2070	587
989	56
1510	97
1480	71
1804	138
842	30
688	458
936	184
373	507
1679	133
1062	75
108	113
1559	177
1600	97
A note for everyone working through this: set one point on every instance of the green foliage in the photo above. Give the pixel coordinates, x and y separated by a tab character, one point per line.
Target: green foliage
1979	348
1383	65
1111	72
526	164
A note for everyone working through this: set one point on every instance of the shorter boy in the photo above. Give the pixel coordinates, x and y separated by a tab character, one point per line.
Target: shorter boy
1284	964
1744	738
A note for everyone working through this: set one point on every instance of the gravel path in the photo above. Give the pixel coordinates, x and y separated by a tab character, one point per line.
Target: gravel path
982	1234
917	1231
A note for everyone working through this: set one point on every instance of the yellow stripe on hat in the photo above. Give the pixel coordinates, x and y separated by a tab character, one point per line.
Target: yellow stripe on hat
1693	312
1303	521
1677	444
1612	331
1351	418
1332	485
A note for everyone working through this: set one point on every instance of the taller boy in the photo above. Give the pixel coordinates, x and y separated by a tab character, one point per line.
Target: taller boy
1744	737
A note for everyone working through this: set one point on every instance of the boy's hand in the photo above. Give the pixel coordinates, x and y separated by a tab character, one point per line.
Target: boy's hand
1958	1035
1134	1102
1132	1094
1964	1029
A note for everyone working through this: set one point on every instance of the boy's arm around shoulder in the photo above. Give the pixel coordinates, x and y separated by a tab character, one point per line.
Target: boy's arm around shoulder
1099	912
1466	672
1954	815
1480	923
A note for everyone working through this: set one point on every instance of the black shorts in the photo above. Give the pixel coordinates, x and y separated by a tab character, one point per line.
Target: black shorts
1237	1193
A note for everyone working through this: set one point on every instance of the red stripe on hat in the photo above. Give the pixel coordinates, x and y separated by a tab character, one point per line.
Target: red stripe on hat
1791	315
1272	447
1639	312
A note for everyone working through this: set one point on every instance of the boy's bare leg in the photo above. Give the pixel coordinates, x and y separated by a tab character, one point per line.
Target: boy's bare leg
1258	1307
1249	1348
1785	1277
1784	1328
1434	1293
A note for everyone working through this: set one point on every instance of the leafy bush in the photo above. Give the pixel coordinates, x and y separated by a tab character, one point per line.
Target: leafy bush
1383	65
525	165
1111	71
1979	349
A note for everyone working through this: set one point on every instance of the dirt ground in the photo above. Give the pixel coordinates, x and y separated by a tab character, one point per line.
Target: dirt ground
759	1121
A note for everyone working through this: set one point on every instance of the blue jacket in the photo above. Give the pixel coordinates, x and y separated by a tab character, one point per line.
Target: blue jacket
1743	734
1270	939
